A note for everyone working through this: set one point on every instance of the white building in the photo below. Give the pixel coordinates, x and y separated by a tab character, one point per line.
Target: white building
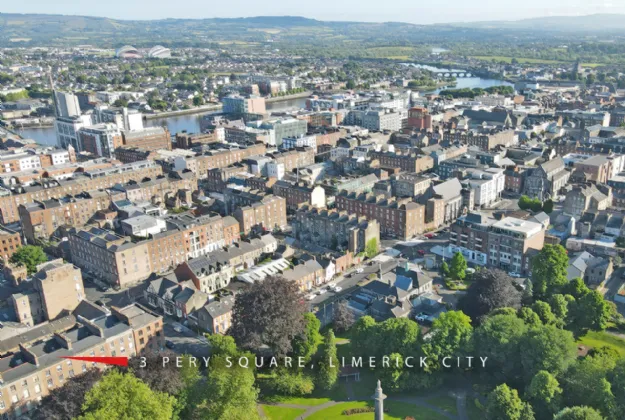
275	170
488	185
67	130
66	104
143	226
300	141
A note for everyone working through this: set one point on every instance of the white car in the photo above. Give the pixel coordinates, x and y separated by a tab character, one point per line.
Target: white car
321	291
360	270
310	297
177	328
513	274
331	286
337	289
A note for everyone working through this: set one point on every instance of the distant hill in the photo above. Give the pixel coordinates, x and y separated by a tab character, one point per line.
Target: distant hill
294	31
588	23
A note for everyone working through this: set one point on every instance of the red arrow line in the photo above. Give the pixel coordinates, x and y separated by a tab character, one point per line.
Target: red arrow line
116	361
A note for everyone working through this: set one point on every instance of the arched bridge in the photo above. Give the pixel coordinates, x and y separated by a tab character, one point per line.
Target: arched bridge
442	74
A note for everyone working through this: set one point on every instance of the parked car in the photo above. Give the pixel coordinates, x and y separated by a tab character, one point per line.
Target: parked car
169	344
360	270
421	317
513	274
337	289
310	297
331	286
99	302
429	235
321	291
104	289
178	328
421	252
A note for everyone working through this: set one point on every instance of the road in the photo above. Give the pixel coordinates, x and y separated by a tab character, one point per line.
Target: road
185	341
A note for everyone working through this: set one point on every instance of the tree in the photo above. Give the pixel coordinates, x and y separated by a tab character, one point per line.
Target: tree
499	338
491	289
291	382
158	377
391	375
543	310
450	336
350	84
198	100
343	317
364	332
329	363
530	317
445	269
546	348
66	402
503	403
270	313
371	248
229	392
545	395
548	206
559	307
458	267
617	380
305	344
30	256
121	102
589	312
578	413
395	335
549	270
123	396
586	383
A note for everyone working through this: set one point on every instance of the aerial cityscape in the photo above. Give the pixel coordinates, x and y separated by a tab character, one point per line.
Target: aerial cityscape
225	216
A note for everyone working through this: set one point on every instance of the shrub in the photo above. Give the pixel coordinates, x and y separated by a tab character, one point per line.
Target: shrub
291	383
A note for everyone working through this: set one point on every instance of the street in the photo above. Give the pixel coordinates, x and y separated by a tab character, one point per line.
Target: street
185	340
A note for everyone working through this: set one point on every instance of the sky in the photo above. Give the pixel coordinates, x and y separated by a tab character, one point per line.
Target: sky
412	11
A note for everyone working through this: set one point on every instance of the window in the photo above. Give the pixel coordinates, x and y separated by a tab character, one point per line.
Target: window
50	383
13	388
84	367
59	368
71	373
26	394
14	398
37	388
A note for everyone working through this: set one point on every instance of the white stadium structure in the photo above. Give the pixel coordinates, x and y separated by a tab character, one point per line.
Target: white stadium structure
128	51
159	52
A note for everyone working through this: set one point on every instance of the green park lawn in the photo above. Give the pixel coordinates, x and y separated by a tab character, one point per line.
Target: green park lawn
282	413
596	339
397	411
444	402
303	401
473	411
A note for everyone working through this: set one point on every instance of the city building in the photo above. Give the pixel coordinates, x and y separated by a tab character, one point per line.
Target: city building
100	139
545	181
110	257
297	194
503	244
335	229
241	105
66	104
266	213
10	241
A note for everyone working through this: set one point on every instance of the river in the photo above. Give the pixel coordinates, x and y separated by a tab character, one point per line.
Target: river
191	122
175	124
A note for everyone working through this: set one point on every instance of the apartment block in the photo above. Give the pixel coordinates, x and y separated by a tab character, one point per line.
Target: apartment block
501	243
401	219
42	219
10	241
222	157
267	213
410	185
95	179
294	158
100	139
485	142
335	229
149	138
110	257
297	194
35	366
410	162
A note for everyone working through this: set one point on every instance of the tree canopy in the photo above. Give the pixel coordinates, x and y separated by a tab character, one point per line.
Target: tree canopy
30	256
491	289
269	313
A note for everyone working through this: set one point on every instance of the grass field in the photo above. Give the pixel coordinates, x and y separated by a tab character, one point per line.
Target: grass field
396	411
473	411
446	403
596	339
304	401
282	413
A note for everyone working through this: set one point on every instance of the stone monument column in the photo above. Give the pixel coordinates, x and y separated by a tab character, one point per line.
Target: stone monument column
379	398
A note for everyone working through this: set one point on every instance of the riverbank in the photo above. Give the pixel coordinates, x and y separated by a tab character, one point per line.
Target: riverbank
218	107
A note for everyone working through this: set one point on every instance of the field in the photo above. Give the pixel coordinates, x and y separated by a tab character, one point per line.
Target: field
396	411
282	413
596	339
